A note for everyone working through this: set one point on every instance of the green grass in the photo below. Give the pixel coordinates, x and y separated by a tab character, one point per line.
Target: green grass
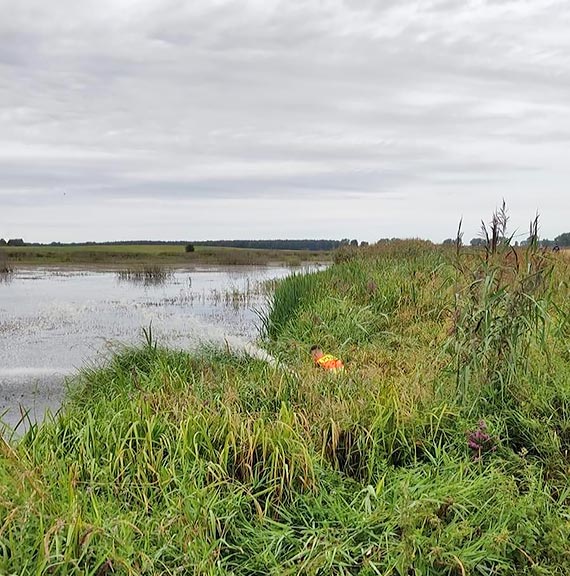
168	462
165	255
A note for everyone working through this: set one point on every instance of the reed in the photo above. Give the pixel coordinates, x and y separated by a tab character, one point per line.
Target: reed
6	270
501	315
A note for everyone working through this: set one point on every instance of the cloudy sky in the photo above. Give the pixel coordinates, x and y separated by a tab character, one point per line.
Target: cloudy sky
172	119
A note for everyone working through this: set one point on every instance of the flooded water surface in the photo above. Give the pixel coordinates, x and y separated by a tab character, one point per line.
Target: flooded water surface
54	322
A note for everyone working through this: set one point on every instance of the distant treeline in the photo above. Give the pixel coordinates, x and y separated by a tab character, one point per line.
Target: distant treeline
562	241
276	244
306	244
114	243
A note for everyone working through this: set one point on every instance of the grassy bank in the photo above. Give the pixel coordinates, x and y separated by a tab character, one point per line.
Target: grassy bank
154	255
443	449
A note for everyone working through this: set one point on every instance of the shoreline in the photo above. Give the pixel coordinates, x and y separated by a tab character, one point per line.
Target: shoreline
35	343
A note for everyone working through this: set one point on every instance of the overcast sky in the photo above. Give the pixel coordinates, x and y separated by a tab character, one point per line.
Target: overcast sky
209	119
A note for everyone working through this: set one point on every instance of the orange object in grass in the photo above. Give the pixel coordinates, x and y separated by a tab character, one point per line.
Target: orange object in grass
326	361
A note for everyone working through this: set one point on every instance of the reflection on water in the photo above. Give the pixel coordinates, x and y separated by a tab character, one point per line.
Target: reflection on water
26	394
53	322
6	276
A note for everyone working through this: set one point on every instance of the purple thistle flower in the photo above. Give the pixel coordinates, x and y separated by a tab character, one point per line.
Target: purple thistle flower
480	442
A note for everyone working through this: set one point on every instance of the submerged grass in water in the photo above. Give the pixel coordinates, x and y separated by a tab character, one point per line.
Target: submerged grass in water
6	270
145	275
167	462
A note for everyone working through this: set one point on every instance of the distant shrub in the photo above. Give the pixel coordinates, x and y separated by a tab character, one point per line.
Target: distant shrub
189	248
344	254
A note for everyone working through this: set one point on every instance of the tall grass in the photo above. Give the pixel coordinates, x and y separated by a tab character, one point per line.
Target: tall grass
6	270
507	314
167	462
288	297
502	310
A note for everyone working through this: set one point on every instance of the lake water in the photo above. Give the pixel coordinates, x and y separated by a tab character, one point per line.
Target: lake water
53	322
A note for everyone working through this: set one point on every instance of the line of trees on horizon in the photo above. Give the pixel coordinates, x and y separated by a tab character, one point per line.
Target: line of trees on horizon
278	244
562	240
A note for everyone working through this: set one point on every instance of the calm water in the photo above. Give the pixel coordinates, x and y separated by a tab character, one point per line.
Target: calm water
54	322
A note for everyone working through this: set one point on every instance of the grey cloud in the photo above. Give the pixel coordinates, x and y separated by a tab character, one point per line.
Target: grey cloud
267	99
549	137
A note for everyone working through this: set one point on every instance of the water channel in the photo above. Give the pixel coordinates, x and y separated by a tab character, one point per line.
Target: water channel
54	321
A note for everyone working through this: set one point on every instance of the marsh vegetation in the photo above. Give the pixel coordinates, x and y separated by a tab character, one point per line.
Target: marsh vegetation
145	275
6	270
443	449
120	256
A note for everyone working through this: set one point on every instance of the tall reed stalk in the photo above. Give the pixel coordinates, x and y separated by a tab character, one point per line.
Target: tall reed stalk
501	310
